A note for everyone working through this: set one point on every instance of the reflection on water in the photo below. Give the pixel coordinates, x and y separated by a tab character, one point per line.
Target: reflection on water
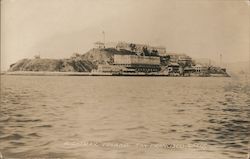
122	117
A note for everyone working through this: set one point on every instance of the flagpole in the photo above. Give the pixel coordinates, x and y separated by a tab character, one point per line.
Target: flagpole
103	38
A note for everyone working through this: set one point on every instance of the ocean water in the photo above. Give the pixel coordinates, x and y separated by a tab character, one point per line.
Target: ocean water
124	117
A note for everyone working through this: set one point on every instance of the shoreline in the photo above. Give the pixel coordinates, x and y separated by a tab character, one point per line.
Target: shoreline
39	73
44	73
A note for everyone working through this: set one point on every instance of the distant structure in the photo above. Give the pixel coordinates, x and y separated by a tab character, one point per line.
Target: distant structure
99	45
37	56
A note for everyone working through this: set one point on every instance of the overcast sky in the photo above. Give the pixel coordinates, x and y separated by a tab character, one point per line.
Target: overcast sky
57	28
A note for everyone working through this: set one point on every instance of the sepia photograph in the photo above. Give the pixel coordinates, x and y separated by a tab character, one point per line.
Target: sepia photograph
125	79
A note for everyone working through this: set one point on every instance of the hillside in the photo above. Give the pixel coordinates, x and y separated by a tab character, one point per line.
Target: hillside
76	63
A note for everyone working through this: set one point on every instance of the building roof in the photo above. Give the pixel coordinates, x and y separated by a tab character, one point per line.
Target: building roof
189	69
173	64
198	65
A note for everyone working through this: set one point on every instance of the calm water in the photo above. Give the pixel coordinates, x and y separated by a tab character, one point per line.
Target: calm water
124	117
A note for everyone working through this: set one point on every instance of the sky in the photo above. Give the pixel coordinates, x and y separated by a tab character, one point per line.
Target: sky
59	28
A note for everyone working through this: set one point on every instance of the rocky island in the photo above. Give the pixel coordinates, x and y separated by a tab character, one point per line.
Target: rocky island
119	59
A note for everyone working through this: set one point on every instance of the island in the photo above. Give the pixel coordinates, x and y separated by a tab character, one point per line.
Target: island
119	59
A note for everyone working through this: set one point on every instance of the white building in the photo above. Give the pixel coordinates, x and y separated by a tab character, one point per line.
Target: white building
99	45
200	68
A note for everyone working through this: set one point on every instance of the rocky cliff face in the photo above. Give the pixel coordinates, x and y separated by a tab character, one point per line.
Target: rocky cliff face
77	63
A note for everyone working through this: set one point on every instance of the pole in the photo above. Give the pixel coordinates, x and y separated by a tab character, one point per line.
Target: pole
220	60
103	38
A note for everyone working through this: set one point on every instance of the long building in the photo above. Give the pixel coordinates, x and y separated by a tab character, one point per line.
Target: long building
138	63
